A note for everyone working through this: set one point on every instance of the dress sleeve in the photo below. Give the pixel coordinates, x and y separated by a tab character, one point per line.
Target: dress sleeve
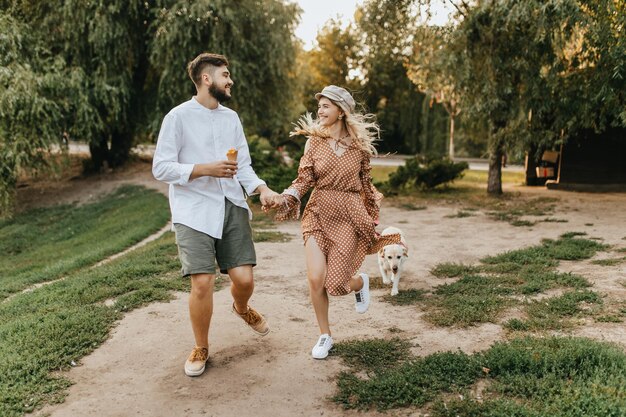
371	196
306	179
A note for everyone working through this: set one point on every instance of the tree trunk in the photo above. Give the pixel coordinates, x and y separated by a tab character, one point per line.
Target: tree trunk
530	165
494	179
451	147
99	155
121	144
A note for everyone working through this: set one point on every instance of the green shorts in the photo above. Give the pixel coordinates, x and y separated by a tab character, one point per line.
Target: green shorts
198	251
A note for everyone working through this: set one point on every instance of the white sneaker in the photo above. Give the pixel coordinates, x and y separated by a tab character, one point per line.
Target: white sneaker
323	345
363	295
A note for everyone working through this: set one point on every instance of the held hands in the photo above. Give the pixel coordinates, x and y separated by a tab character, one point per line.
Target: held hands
271	200
267	197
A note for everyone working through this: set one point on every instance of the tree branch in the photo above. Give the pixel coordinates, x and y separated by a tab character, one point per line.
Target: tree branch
458	8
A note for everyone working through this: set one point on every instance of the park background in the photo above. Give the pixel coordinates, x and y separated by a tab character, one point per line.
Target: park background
512	302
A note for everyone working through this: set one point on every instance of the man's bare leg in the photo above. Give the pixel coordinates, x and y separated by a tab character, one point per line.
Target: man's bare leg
201	307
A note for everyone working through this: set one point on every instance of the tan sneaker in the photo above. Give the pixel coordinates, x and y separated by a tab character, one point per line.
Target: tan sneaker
196	362
254	320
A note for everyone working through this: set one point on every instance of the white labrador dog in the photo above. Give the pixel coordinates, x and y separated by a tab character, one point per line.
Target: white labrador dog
391	258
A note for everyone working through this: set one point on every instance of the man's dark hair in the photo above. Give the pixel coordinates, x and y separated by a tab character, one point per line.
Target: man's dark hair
199	63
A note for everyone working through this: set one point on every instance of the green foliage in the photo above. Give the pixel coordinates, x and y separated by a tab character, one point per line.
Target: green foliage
527	377
44	331
35	86
405	297
385	29
270	165
256	36
426	172
48	243
452	270
373	354
107	72
411	383
484	291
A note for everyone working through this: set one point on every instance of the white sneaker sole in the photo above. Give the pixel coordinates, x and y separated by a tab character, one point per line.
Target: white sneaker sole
324	356
195	373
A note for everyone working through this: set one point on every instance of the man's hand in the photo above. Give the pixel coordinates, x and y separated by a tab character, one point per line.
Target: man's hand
267	196
218	169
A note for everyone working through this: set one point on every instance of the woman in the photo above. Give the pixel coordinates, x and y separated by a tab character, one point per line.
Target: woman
338	224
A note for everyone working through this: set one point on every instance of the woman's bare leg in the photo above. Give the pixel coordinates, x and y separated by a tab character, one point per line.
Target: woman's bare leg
316	275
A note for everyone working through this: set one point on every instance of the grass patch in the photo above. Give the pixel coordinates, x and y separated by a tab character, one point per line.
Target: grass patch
48	243
412	207
609	318
555	312
43	331
405	297
608	262
554	220
453	270
484	291
381	173
270	236
373	354
262	227
460	214
563	377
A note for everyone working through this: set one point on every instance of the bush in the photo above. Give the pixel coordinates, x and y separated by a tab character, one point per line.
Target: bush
426	172
270	166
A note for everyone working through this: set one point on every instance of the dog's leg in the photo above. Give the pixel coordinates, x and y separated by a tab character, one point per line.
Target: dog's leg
383	272
396	280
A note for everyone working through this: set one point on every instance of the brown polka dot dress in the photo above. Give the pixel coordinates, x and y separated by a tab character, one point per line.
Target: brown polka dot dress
341	211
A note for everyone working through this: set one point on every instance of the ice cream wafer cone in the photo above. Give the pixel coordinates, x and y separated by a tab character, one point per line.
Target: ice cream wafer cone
232	154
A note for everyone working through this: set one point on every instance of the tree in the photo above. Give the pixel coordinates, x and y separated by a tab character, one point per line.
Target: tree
256	36
538	71
386	27
431	67
37	102
331	61
106	72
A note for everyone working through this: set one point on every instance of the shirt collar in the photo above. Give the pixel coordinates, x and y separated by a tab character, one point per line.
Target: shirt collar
197	104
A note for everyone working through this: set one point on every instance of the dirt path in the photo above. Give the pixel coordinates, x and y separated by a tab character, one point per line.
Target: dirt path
138	371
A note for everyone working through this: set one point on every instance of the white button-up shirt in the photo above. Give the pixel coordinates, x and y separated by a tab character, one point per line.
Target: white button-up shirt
193	134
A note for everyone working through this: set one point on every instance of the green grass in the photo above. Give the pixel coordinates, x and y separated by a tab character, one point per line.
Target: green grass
561	377
555	312
460	214
405	297
373	354
608	262
263	226
452	270
43	331
381	173
483	292
480	177
510	207
45	244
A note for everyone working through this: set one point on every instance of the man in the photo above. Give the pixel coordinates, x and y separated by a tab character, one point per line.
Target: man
209	211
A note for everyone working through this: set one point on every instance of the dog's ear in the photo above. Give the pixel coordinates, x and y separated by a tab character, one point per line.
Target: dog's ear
405	252
381	253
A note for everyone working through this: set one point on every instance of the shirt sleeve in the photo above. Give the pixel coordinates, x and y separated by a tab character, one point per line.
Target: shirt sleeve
371	196
165	165
245	173
306	179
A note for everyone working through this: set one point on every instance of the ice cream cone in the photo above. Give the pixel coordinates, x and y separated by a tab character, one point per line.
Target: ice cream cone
232	154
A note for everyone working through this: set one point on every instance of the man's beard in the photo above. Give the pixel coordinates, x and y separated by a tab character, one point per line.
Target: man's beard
218	94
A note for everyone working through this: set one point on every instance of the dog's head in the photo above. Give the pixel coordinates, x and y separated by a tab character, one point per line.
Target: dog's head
394	256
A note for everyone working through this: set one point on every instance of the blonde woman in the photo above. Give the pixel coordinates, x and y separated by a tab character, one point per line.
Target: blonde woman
338	223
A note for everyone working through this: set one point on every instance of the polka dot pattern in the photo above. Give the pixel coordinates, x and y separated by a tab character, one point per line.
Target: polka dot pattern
341	211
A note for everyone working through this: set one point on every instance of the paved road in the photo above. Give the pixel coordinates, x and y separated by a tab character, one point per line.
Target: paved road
391	160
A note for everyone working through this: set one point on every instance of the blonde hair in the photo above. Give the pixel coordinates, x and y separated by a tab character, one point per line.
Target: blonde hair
362	128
